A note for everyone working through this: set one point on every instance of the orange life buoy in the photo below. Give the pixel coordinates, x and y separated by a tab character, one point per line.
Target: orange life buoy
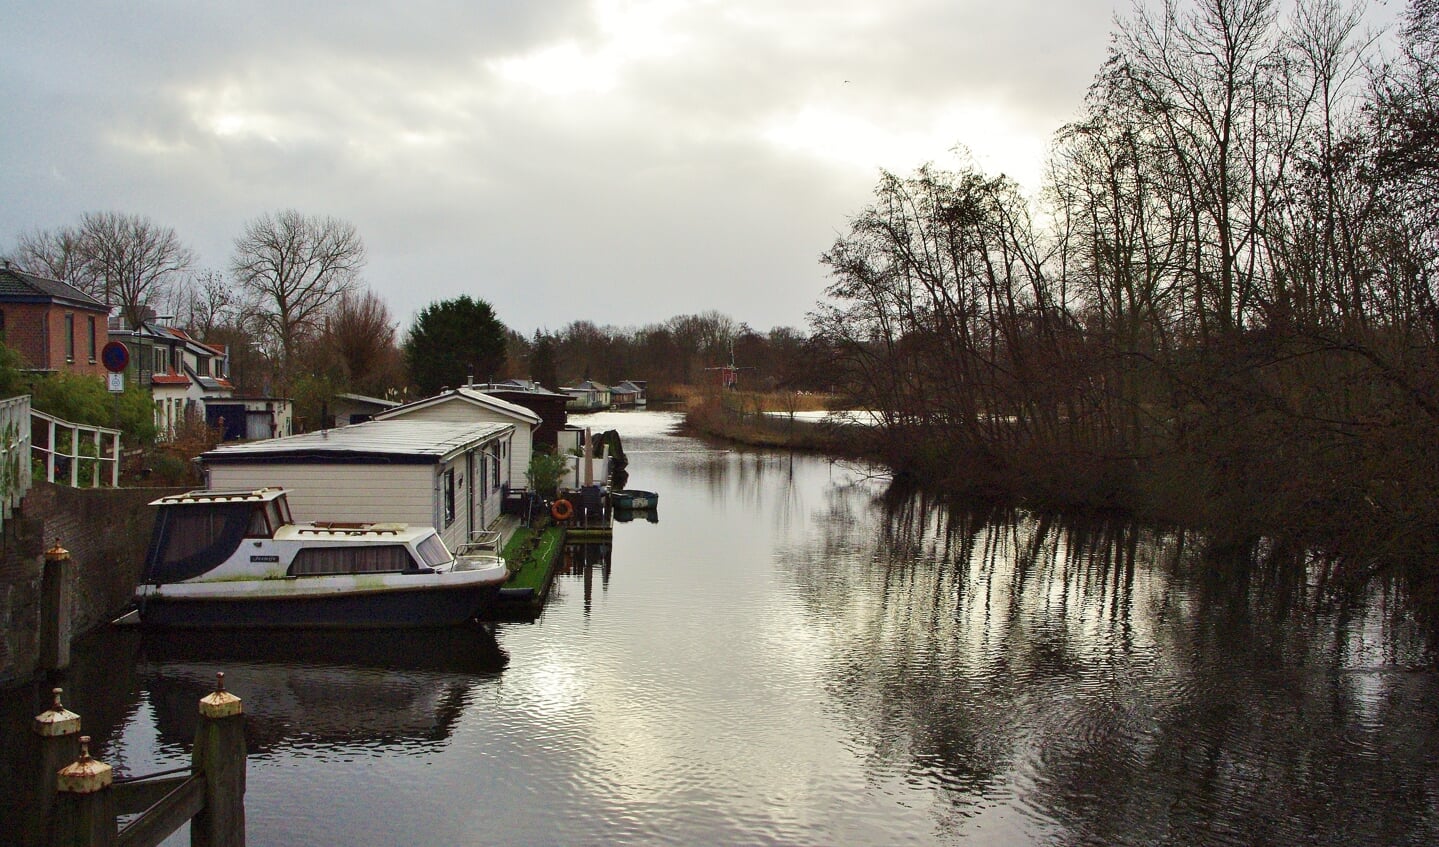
562	510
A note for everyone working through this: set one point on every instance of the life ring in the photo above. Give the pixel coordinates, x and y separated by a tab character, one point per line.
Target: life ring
562	510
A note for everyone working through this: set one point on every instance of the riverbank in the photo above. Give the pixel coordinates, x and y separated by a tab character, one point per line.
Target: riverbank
1246	505
773	420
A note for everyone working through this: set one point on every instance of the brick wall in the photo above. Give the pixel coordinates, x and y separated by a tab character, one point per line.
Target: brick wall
26	331
106	532
37	331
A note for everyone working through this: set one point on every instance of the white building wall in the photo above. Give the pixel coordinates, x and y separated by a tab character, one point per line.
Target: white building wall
400	493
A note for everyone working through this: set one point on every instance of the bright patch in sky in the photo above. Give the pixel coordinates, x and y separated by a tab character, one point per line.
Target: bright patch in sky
857	139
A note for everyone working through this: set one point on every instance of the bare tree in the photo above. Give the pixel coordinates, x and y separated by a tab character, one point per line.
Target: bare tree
299	267
210	302
58	254
360	335
124	260
137	261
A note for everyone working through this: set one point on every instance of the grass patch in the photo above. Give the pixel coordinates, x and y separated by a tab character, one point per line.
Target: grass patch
529	555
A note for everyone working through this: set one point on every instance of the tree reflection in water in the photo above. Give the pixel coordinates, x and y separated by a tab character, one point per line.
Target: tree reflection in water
1119	683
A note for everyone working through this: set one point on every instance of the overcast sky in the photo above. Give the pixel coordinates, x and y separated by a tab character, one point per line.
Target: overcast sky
614	161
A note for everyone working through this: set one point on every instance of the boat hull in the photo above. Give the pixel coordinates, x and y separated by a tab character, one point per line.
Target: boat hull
634	499
435	604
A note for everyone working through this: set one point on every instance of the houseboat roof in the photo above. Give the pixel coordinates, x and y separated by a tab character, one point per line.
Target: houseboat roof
377	442
468	395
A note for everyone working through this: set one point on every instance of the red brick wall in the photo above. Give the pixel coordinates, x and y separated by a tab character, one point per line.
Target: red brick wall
105	530
26	326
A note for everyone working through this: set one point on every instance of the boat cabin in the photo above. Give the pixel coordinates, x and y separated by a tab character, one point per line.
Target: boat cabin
205	533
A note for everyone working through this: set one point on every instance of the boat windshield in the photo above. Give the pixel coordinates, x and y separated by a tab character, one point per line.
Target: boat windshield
189	540
433	551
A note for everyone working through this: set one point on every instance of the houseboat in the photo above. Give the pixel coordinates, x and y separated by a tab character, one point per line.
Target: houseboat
238	559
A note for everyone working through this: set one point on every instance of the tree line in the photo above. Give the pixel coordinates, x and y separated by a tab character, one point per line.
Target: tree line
299	320
1222	309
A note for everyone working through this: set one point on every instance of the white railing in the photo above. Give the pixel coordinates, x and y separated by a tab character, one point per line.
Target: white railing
77	434
14	453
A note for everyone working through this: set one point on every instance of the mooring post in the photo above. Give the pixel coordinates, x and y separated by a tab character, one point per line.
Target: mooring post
220	755
85	808
56	587
59	732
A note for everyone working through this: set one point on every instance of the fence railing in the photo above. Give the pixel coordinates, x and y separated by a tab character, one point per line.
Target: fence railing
63	450
14	453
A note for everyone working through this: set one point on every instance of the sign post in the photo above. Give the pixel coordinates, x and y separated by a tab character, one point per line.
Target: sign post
116	357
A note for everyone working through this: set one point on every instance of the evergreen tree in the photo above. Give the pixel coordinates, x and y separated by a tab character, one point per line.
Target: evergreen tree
453	340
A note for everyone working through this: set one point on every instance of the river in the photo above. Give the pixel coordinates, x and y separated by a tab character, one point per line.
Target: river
792	655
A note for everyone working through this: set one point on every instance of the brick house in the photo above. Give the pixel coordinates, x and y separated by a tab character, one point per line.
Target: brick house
53	325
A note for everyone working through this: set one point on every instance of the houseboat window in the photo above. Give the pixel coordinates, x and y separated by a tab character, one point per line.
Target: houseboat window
433	551
449	496
386	558
259	527
495	472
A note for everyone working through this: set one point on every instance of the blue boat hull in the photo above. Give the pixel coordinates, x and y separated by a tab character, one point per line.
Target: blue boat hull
368	610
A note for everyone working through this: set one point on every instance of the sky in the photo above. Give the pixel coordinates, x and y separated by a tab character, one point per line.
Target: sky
604	160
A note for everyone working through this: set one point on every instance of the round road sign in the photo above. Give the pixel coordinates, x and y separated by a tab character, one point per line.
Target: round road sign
115	356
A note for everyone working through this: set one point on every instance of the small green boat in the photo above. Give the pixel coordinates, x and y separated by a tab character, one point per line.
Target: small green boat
633	498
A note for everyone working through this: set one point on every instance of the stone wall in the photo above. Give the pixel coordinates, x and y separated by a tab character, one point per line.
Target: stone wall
106	531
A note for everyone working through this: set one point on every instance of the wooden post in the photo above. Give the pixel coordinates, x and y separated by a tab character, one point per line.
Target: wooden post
56	586
85	808
220	755
59	736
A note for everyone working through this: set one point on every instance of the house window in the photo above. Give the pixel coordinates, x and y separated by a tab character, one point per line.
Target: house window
159	360
92	339
449	496
202	367
69	338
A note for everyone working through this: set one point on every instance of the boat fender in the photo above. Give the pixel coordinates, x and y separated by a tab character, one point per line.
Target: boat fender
562	510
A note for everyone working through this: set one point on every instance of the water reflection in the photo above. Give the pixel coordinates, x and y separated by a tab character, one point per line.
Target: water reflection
1113	684
392	692
800	653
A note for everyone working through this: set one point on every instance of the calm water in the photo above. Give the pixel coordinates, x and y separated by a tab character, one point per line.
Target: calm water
789	656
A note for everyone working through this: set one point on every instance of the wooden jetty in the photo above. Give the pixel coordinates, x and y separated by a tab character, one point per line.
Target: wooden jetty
80	802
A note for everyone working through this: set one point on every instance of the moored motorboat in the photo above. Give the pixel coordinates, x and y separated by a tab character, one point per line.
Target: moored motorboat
635	499
238	559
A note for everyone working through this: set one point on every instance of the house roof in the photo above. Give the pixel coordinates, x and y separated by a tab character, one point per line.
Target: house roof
587	385
18	286
538	390
467	395
389	442
362	398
